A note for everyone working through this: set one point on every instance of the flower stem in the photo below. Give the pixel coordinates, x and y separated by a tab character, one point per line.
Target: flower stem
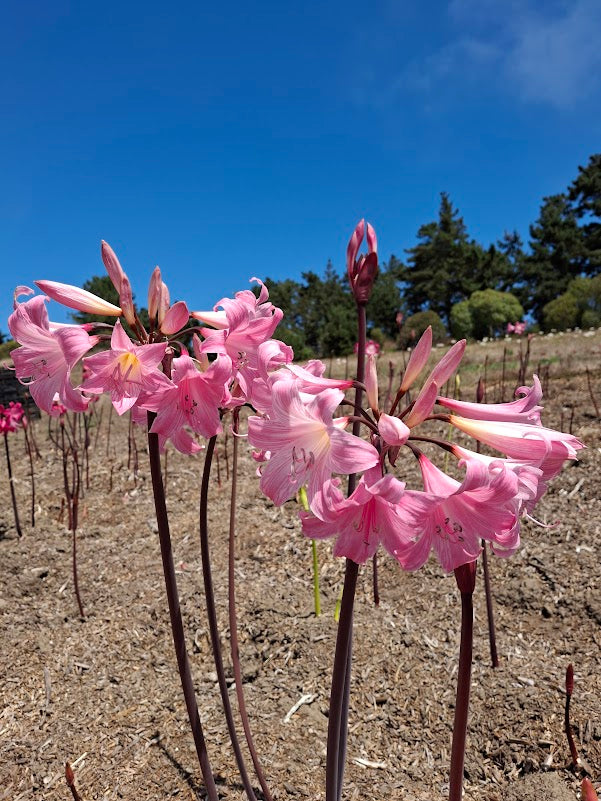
316	598
175	614
212	618
234	646
13	497
494	658
465	576
340	686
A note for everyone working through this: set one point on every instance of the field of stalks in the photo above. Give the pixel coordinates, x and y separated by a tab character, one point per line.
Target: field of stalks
100	690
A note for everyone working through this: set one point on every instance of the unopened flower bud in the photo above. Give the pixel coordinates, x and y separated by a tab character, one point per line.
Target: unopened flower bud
362	271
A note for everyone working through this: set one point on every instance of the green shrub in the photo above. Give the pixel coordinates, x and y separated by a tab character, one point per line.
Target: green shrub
561	313
461	320
591	318
415	325
491	311
378	336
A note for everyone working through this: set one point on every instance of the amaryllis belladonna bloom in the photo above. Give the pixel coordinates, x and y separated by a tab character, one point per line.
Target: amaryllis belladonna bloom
46	356
126	370
306	443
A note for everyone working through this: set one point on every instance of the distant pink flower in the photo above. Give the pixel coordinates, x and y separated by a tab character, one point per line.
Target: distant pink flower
451	517
46	356
510	328
372	348
307	445
126	370
549	449
194	401
525	409
370	516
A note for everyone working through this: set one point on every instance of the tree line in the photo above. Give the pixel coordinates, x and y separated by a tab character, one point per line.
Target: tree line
461	288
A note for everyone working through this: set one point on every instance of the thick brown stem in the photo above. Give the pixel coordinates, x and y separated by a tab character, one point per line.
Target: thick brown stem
212	618
175	614
234	645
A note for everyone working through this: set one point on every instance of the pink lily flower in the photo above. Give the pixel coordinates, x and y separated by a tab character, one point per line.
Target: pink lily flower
194	400
250	323
370	516
530	484
46	356
523	410
452	517
76	298
126	370
307	445
549	449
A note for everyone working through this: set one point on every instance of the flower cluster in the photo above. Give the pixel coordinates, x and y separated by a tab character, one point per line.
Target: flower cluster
299	435
518	328
12	417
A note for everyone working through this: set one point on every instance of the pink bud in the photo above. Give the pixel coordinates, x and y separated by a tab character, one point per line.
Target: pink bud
353	246
176	318
362	272
392	430
126	300
164	302
76	298
448	364
371	382
113	268
154	293
424	403
418	359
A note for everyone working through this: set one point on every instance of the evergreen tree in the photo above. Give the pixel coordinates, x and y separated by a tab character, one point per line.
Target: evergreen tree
585	196
385	301
442	268
555	258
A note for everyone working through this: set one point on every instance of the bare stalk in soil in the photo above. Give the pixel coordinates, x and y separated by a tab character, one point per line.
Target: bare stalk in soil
13	497
177	628
31	472
212	618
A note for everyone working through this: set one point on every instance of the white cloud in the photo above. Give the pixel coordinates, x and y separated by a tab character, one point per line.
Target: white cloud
548	52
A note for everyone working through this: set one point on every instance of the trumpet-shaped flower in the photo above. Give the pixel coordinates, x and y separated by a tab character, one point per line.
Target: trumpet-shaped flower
126	370
370	516
451	517
46	356
194	400
549	449
76	298
525	409
307	445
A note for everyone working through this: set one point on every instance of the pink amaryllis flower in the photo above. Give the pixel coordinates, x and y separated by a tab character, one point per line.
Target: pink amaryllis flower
193	401
361	522
525	409
306	444
549	449
126	370
244	325
47	355
452	517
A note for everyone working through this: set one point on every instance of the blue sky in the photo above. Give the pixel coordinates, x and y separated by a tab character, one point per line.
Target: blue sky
222	142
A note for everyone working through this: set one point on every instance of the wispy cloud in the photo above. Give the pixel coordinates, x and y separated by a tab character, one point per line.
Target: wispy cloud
543	52
550	50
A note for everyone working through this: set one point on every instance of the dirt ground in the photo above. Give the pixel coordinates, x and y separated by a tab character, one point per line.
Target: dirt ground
104	692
